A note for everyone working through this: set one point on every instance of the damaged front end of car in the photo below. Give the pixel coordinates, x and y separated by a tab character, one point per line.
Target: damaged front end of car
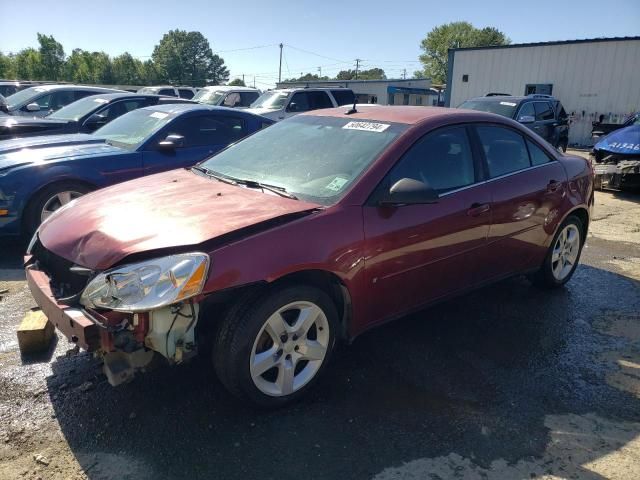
617	158
127	315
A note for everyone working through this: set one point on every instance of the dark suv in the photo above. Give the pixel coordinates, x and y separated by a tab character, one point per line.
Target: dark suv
543	114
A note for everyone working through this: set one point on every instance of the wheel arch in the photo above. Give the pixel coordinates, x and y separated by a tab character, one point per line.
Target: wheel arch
583	215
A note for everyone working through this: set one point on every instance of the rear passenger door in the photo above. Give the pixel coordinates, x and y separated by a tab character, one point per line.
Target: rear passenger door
527	186
545	120
203	136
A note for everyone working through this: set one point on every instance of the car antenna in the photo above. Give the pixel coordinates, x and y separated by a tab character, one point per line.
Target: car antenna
352	109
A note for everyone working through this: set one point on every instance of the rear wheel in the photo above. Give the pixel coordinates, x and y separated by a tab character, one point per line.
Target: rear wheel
270	350
564	253
49	200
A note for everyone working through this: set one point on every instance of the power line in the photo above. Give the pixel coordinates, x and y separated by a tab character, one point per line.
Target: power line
316	54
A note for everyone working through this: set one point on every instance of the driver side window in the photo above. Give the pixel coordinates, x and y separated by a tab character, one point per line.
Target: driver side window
299	102
442	159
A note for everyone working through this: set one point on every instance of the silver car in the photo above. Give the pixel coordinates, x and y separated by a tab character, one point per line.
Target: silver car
42	100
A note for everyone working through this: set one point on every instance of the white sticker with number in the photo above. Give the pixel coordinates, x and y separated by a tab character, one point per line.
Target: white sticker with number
367	126
336	184
159	115
509	104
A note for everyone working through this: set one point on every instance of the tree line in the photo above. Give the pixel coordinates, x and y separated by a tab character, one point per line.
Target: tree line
180	58
186	58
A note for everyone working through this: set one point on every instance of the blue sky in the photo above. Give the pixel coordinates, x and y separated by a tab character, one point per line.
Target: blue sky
328	34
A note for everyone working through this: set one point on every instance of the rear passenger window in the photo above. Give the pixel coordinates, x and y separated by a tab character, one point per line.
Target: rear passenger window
343	97
442	159
504	150
526	110
538	156
544	111
167	91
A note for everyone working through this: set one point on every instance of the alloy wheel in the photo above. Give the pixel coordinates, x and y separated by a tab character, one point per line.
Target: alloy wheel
56	201
565	252
289	349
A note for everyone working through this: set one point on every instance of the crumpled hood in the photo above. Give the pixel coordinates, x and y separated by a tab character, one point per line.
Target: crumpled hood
170	209
20	151
625	141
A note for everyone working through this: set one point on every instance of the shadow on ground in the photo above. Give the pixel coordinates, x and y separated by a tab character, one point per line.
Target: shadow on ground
479	377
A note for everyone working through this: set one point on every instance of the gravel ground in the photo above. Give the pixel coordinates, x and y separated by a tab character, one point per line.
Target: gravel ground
507	382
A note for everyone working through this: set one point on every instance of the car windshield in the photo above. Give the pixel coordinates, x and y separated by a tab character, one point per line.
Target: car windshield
23	96
210	97
274	100
314	158
506	108
134	127
79	108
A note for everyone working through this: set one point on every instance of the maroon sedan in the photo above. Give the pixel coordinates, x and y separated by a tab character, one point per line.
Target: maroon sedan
307	233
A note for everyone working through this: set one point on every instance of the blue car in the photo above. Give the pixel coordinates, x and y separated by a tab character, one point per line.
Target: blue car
40	174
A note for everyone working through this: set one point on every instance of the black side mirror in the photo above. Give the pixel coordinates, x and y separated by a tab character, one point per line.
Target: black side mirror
172	142
408	191
293	107
95	121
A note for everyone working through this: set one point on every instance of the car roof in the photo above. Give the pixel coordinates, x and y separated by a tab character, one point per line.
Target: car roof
49	87
227	88
178	108
409	115
513	98
118	95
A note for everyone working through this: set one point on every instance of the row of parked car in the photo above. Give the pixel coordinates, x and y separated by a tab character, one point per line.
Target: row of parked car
268	241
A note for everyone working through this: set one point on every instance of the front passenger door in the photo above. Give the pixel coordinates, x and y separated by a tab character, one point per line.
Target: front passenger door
415	254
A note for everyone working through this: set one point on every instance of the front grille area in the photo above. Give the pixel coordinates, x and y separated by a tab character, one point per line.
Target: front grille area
64	282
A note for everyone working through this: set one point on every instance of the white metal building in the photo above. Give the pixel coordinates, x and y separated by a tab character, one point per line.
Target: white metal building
590	77
414	91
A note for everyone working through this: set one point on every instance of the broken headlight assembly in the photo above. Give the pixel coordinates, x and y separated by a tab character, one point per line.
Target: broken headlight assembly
148	285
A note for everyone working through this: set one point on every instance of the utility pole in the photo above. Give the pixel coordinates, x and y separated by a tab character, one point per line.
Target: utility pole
358	60
243	79
319	71
280	67
404	74
254	81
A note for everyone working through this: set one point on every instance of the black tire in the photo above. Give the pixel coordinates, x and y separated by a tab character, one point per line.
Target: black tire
544	278
562	144
234	341
33	212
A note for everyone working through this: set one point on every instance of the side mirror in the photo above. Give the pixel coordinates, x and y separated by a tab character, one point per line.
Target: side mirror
408	191
526	119
293	107
33	107
95	121
172	142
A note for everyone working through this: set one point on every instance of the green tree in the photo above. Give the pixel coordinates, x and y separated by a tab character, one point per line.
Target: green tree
307	77
78	67
126	70
28	64
51	58
149	73
7	66
101	69
186	58
237	82
371	74
438	41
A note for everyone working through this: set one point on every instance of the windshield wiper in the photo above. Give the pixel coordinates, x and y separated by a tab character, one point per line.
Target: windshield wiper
265	186
212	174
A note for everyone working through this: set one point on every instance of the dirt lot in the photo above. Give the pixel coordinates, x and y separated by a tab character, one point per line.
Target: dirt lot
508	382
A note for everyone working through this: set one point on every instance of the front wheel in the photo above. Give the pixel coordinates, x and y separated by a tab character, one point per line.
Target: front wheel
564	253
271	350
50	199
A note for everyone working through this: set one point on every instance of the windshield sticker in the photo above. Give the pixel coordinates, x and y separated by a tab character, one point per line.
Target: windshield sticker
509	104
100	100
159	115
338	182
366	126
